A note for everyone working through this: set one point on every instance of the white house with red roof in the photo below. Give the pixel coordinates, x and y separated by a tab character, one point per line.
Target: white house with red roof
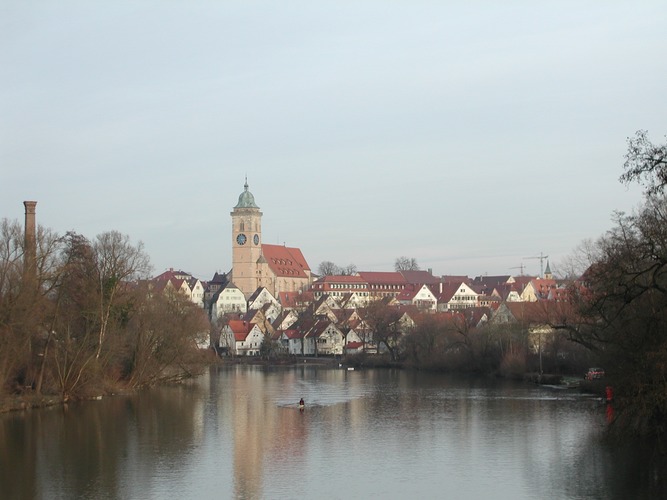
182	282
247	338
419	296
452	297
294	340
538	289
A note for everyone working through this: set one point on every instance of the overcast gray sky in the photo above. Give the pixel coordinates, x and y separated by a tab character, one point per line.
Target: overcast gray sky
468	135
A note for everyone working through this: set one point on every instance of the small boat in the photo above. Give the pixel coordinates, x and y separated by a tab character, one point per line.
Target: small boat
350	368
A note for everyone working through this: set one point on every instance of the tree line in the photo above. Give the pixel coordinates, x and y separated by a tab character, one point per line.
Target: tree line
82	319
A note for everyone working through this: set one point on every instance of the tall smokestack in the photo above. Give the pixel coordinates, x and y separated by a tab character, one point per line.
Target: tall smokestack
30	260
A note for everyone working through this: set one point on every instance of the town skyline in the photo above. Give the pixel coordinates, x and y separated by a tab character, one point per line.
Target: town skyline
467	138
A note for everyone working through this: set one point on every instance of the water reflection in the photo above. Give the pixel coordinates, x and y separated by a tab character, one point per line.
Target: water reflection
237	432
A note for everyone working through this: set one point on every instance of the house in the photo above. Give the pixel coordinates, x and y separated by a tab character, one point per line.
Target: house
324	306
419	296
263	318
453	297
285	319
327	338
538	289
247	338
197	291
507	292
227	300
260	298
354	347
293	339
354	300
211	287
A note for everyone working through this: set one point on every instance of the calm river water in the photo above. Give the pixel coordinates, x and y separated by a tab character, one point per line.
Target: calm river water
238	433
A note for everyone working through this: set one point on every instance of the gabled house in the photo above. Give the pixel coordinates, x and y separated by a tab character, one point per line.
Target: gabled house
211	287
508	292
538	289
419	296
454	297
227	300
293	338
247	337
261	297
406	323
327	338
196	291
354	300
285	319
323	307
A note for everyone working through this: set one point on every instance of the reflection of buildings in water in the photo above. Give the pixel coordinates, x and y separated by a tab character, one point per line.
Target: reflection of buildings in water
263	432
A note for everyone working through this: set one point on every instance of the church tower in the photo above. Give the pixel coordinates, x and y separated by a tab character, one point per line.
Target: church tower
246	243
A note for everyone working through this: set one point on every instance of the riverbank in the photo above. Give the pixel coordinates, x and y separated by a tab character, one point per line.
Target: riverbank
26	402
29	400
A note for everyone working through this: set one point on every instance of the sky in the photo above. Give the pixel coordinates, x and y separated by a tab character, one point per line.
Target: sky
471	136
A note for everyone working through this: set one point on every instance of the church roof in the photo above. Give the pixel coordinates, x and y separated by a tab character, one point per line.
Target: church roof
246	199
285	261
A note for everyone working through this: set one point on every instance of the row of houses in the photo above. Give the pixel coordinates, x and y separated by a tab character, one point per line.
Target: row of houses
328	318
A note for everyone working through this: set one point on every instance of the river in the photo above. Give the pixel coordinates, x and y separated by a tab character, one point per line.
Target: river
237	432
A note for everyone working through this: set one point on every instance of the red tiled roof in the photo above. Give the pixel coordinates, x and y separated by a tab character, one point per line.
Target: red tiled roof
419	277
335	278
448	291
294	299
240	329
170	274
285	261
292	333
455	279
409	292
383	278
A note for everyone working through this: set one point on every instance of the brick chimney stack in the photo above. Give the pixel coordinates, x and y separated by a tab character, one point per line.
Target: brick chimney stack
30	262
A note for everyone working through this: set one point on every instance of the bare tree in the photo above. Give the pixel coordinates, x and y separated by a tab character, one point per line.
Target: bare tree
349	270
25	309
162	338
384	324
406	264
117	262
646	163
328	268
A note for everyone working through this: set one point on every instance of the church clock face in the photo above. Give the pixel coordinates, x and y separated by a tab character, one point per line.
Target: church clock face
255	239
241	239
